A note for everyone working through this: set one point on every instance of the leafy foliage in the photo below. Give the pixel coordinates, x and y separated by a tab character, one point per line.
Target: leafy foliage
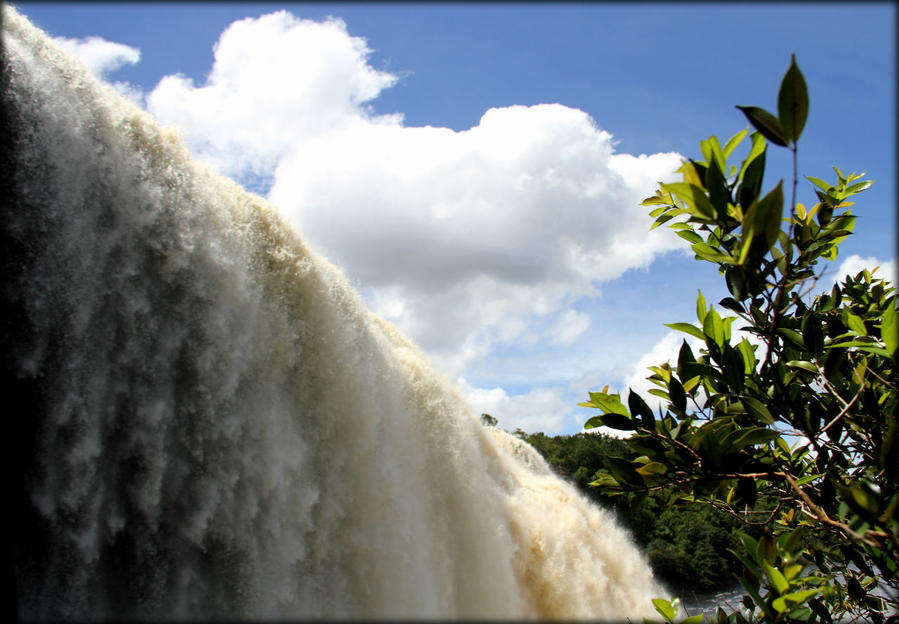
799	411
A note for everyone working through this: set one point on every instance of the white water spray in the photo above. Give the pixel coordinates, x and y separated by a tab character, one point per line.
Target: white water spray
210	423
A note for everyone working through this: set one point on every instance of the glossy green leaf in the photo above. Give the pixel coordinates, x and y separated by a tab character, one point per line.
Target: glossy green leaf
693	196
753	437
889	328
701	307
677	394
812	334
716	184
855	323
687	328
792	335
792	102
624	472
758	410
766	123
751	180
858	188
639	408
689	235
748	355
652	468
769	214
734	141
610	403
734	369
780	583
821	184
713	328
789	601
803	365
664	608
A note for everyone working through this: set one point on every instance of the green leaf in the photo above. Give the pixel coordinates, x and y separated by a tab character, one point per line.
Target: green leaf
687	328
707	252
770	213
734	141
780	583
700	307
858	188
736	281
758	410
610	403
652	468
792	335
812	335
677	394
745	349
689	235
803	365
821	184
614	421
855	323
693	196
788	601
639	408
716	184
766	123
889	328
753	174
734	369
664	608
713	328
792	102
754	436
624	472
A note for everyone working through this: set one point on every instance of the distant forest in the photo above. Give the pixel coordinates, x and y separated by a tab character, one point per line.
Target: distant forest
687	545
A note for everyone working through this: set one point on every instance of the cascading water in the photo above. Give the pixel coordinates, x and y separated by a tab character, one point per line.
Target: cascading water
209	423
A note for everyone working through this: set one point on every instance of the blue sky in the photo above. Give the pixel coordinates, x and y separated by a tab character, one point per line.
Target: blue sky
508	244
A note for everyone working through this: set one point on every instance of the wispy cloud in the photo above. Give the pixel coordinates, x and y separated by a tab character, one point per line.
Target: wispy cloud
104	57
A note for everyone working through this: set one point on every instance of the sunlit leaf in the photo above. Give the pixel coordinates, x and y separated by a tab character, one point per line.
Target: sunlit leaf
789	601
664	608
889	328
687	328
700	307
734	141
803	365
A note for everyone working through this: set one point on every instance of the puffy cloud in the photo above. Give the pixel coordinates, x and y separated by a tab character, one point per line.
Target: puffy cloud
513	219
466	240
277	82
541	409
855	263
103	58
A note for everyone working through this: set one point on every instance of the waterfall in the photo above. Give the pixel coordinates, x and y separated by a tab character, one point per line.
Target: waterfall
207	422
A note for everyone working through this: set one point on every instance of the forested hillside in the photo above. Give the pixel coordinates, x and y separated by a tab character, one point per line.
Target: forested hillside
687	545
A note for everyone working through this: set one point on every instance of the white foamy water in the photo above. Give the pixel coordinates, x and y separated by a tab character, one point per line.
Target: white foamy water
210	423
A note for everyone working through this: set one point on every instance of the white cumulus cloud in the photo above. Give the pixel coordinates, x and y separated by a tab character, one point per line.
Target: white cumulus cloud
541	409
855	263
466	240
277	81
